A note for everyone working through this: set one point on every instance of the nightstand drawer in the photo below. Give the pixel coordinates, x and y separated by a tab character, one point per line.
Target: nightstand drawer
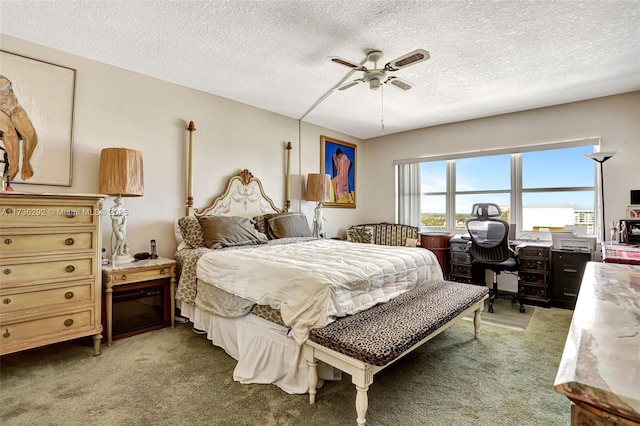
460	257
44	296
62	323
464	247
34	271
42	214
60	242
132	277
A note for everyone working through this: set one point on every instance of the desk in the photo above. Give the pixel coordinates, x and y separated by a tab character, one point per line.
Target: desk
621	253
599	370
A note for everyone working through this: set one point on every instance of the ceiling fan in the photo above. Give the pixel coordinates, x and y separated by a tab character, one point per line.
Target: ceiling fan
376	76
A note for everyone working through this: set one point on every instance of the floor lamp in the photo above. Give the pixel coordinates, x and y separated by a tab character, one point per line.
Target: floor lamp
121	174
318	189
601	157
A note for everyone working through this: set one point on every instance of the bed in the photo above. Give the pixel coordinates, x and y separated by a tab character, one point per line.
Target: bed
257	297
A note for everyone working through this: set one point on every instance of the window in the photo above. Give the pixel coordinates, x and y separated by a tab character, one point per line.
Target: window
537	189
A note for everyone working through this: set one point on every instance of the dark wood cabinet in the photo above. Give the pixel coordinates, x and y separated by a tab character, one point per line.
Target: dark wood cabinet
438	243
461	268
533	274
567	269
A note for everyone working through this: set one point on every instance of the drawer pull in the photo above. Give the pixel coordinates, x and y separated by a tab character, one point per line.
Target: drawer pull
6	333
8	210
68	295
124	277
68	322
7	271
6	300
70	268
8	241
69	241
70	214
162	271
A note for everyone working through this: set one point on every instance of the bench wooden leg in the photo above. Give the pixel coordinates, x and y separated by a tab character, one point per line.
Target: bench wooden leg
476	322
362	403
312	378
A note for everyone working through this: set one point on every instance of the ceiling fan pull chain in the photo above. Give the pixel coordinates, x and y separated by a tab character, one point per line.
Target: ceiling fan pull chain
382	112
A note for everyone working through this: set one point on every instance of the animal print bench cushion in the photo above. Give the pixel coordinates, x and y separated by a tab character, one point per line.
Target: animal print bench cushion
381	334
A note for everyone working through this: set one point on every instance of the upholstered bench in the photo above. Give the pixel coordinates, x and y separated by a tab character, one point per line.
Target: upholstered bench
364	344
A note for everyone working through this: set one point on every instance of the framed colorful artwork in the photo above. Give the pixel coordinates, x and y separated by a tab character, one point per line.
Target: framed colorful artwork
36	120
338	159
633	212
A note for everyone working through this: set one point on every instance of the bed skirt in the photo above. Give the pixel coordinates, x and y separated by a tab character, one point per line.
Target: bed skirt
264	353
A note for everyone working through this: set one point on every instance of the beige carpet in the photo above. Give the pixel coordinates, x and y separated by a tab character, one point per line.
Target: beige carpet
174	377
506	314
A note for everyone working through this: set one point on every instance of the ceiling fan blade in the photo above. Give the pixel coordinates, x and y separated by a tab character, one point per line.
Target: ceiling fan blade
350	84
347	63
399	83
410	58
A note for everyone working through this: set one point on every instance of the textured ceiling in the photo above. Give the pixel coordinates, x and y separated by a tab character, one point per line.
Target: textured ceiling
487	57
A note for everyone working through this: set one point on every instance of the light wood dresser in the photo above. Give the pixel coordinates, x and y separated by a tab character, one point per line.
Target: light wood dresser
50	270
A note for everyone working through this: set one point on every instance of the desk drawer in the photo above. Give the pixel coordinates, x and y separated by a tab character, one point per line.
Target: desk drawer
464	247
60	242
23	272
43	296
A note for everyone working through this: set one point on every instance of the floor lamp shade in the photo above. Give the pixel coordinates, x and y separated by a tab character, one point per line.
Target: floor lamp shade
121	172
318	187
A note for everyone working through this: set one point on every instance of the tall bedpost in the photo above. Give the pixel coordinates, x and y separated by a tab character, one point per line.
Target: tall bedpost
191	129
287	183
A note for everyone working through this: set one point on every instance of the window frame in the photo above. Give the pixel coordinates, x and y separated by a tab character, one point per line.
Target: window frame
516	190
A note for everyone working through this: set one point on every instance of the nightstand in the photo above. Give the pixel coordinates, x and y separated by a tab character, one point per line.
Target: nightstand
139	297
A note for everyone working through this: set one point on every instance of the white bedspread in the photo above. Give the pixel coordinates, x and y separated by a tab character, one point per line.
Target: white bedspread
313	282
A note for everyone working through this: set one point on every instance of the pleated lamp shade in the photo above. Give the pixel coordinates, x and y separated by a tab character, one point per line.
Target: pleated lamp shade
318	187
121	172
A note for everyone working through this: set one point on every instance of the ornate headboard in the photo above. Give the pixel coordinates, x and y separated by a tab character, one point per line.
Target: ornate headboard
243	196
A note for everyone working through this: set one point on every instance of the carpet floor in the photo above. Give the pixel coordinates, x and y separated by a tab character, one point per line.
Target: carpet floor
175	377
505	314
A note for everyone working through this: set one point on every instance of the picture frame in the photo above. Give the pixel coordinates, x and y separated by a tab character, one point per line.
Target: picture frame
633	212
338	159
39	102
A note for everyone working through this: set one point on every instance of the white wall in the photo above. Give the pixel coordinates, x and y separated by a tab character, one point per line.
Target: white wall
118	108
614	119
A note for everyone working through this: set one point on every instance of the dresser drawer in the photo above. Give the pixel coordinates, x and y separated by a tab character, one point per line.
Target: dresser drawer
16	214
55	324
60	242
461	270
43	296
22	271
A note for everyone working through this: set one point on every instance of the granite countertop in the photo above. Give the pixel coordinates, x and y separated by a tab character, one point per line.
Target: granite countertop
600	364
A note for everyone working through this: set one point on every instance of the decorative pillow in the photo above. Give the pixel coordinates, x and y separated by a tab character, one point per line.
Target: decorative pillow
227	231
191	231
287	225
262	222
360	234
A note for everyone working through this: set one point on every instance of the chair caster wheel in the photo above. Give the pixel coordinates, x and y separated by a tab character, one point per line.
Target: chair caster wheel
522	309
490	309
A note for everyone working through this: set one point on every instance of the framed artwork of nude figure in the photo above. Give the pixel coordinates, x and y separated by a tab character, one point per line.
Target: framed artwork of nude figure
36	121
338	159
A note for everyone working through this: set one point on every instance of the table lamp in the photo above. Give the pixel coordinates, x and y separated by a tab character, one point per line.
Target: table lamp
121	174
601	157
318	189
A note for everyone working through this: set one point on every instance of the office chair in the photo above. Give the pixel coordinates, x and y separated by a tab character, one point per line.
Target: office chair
490	245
